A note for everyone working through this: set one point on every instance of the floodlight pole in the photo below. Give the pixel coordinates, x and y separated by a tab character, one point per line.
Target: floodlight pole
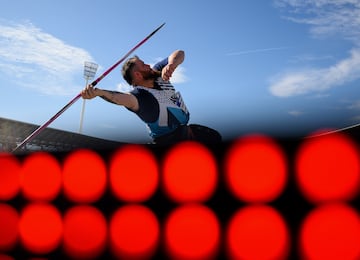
90	69
82	113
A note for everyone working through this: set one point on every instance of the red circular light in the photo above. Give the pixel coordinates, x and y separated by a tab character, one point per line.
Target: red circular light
9	176
328	169
256	169
41	177
192	231
134	232
84	176
85	232
134	174
330	232
40	228
189	173
257	232
9	221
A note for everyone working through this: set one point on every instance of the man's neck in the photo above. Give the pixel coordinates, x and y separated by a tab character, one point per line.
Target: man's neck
148	83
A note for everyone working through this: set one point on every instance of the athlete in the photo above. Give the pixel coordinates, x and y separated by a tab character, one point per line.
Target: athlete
155	100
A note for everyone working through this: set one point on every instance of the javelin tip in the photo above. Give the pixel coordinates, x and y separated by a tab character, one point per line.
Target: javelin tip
159	27
155	31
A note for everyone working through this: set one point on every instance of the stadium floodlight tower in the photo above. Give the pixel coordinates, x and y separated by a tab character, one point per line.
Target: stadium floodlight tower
90	69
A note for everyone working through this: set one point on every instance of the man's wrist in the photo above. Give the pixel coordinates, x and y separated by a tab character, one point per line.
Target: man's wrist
98	92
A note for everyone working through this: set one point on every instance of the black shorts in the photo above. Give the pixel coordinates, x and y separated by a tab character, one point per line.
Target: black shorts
194	132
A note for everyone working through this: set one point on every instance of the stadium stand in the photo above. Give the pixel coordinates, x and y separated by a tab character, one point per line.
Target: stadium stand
51	140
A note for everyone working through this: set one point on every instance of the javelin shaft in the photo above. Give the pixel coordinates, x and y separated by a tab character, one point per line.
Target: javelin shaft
126	55
42	127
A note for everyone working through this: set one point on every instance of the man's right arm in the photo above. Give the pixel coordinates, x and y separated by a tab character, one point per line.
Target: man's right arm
124	99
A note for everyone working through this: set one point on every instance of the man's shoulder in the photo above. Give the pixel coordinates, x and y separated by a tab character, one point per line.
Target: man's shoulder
138	91
161	64
141	93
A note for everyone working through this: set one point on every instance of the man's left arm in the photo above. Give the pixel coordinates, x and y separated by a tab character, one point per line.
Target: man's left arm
174	60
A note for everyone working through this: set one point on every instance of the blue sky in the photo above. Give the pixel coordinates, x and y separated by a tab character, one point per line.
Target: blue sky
280	67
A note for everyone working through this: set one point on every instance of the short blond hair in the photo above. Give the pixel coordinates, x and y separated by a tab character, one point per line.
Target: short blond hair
127	69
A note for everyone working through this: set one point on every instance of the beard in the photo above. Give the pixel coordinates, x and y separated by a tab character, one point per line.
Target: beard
150	74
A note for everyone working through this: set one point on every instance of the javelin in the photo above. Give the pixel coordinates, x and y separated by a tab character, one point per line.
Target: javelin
333	131
42	127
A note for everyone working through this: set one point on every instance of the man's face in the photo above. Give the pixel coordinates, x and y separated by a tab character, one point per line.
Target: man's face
145	70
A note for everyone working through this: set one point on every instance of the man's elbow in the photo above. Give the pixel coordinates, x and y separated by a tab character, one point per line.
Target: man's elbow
181	53
178	56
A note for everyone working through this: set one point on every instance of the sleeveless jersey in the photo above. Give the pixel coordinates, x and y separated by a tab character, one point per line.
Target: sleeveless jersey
171	107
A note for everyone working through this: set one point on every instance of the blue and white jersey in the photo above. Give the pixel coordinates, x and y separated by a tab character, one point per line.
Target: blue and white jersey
161	108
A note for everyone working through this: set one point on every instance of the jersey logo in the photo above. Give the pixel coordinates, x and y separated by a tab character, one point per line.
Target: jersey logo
175	99
178	101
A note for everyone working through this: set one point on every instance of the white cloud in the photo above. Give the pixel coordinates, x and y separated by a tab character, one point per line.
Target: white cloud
35	59
124	87
179	76
317	80
295	113
326	18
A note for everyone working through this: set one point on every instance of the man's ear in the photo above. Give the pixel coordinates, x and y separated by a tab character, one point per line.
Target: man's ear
136	76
